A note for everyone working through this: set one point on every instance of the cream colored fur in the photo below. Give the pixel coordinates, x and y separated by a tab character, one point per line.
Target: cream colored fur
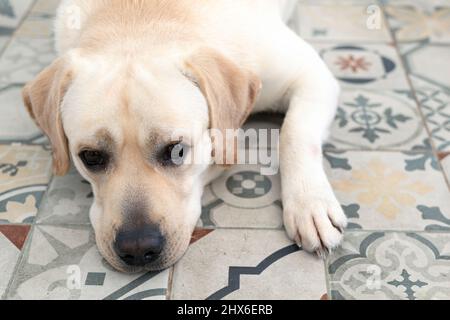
129	64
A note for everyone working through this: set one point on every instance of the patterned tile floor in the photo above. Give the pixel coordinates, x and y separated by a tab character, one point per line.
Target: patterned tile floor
388	158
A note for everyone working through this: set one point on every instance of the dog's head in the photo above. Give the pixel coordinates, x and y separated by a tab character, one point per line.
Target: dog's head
129	125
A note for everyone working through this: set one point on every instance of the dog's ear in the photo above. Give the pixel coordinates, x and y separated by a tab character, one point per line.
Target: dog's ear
230	91
43	97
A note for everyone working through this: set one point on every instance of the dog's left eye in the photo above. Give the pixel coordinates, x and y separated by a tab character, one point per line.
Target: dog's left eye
94	160
174	154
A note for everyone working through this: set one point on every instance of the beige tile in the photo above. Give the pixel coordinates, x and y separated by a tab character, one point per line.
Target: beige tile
416	23
340	22
248	264
391	191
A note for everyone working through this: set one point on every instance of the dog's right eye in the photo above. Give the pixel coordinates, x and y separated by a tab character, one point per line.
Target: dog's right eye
94	160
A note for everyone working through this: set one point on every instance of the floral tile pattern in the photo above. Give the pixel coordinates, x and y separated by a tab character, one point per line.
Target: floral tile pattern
392	191
24	176
63	263
377	120
364	66
415	23
391	265
233	269
387	156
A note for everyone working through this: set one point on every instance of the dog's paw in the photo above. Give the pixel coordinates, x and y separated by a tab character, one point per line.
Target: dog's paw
316	223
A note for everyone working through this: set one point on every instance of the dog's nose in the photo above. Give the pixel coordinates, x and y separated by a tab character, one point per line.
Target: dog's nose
139	247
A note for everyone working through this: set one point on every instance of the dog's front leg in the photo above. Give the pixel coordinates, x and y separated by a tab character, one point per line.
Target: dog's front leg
312	215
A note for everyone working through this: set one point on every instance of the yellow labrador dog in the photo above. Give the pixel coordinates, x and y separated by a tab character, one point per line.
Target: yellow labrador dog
132	72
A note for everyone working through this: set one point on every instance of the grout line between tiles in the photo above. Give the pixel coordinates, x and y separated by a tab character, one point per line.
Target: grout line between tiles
414	94
21	21
19	262
170	283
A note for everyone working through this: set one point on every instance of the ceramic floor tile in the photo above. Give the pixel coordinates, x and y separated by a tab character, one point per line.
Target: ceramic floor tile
427	62
364	65
24	58
243	198
337	22
413	23
25	172
45	8
390	191
63	263
446	165
385	120
3	42
250	264
16	124
11	13
67	201
385	265
36	26
12	239
39	22
435	104
422	4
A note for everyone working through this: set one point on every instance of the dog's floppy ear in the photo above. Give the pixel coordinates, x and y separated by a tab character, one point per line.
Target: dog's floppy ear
230	91
43	97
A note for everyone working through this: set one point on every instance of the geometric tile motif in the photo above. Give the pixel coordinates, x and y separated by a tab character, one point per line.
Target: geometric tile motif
242	198
427	62
9	256
371	66
11	241
435	104
64	263
24	176
377	120
250	264
16	234
382	191
391	265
